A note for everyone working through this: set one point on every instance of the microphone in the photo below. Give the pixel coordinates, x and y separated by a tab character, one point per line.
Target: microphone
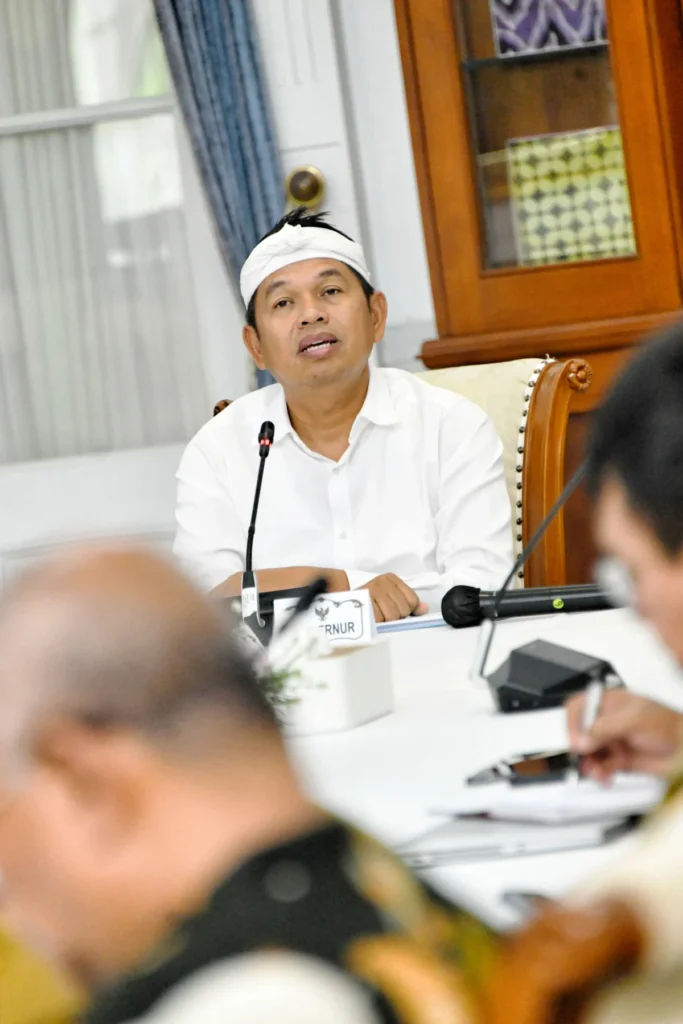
540	674
467	606
463	606
251	611
526	554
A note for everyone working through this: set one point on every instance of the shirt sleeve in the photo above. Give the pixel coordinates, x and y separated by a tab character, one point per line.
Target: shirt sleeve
649	879
210	540
473	516
285	987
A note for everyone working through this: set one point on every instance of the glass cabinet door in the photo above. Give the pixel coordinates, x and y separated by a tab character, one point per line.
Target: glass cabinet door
549	160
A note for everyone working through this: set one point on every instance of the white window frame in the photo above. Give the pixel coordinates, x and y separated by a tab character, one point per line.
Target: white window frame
220	314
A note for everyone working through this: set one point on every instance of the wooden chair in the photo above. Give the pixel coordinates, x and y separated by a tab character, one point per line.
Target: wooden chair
529	402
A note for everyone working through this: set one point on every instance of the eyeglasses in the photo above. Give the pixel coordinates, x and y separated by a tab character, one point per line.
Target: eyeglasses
616	580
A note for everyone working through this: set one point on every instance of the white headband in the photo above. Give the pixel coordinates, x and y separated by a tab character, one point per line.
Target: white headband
293	244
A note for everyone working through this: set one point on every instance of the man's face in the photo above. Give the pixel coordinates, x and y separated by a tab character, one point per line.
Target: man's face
657	577
70	865
314	324
44	888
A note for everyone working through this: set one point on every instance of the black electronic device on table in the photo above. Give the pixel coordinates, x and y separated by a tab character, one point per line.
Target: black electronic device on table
539	674
544	675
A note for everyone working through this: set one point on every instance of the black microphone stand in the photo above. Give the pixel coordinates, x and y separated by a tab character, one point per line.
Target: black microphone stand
523	558
251	609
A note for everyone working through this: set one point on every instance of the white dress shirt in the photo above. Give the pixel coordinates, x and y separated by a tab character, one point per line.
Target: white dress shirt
256	988
419	492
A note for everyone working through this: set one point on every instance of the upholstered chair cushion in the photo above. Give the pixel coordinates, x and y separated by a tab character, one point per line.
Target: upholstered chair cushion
503	391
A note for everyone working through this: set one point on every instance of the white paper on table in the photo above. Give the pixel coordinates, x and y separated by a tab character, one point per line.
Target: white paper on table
429	621
564	802
474	839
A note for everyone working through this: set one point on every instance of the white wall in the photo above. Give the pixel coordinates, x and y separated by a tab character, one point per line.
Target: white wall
378	115
125	495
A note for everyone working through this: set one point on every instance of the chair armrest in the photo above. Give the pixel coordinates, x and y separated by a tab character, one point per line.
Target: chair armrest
548	972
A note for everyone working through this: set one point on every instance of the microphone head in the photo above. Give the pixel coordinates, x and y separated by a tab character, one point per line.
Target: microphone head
461	607
265	437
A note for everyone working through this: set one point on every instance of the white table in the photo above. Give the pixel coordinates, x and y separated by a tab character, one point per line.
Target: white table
387	776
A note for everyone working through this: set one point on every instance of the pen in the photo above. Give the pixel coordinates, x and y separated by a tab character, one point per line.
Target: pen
591	710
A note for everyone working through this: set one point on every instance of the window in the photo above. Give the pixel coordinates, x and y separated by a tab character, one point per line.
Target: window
99	340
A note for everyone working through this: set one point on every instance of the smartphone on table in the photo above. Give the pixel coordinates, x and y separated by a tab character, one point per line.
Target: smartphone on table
525	769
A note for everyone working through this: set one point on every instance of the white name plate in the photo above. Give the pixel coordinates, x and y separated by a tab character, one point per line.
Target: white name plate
345	618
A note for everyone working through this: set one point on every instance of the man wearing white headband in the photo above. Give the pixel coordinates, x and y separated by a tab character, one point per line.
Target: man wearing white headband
375	477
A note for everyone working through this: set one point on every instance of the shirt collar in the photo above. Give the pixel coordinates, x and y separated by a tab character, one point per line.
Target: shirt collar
276	411
378	408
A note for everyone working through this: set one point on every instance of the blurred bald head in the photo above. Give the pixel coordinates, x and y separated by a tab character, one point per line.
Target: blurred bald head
121	638
139	761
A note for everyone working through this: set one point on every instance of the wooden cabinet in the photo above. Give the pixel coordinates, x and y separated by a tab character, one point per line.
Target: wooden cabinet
550	178
550	169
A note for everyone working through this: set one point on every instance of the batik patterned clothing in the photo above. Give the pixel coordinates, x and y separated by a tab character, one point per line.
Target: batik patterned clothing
339	897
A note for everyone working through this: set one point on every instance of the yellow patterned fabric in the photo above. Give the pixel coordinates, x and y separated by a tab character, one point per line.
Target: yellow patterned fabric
30	993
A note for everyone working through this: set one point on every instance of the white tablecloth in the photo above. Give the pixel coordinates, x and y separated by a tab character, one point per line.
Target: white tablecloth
388	775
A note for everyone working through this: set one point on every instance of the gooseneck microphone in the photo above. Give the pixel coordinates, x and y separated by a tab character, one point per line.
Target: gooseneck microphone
251	612
494	609
467	606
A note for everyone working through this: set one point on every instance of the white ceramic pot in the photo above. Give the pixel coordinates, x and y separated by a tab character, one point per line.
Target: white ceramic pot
346	688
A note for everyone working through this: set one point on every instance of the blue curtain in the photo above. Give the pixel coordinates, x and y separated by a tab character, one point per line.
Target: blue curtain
212	52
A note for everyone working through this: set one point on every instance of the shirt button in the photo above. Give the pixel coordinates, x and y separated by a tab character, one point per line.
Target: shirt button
343	535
